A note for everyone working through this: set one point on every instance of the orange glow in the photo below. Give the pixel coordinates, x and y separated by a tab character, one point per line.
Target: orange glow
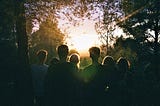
83	42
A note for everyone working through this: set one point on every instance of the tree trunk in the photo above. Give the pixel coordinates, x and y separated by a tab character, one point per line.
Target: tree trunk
24	76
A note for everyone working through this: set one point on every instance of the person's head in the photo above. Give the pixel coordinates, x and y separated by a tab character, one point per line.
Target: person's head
94	53
123	64
63	52
75	59
108	61
42	56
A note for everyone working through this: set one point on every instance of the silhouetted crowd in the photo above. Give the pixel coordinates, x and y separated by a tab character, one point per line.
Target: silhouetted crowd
109	83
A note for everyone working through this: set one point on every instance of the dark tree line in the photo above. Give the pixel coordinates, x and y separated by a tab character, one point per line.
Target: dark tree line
15	70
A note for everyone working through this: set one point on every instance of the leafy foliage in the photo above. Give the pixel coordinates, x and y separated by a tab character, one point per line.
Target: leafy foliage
125	48
141	18
142	21
47	37
106	27
7	20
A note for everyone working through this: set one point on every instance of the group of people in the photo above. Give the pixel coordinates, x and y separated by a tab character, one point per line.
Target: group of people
62	83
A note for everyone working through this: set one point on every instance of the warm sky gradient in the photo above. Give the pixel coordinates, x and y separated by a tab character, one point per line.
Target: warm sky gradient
84	36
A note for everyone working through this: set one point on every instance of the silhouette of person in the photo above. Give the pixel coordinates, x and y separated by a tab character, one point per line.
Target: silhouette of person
123	65
54	61
39	71
91	70
109	79
91	78
109	69
61	82
124	85
75	60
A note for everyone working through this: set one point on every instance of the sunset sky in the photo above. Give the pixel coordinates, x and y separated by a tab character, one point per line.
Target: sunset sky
84	36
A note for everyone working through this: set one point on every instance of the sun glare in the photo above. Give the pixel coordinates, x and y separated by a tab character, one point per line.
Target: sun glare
83	42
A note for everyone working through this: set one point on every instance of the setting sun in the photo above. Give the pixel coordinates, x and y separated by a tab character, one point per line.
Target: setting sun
83	42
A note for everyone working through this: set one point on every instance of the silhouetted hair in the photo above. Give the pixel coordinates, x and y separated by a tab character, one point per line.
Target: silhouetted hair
108	60
123	63
74	58
42	55
94	52
63	51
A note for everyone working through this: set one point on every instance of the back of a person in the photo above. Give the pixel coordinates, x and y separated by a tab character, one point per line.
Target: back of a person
62	84
91	88
74	59
92	79
91	72
109	70
123	87
109	78
38	73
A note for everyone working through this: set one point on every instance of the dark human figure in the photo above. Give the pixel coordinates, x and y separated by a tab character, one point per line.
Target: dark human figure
109	79
39	71
91	78
91	71
124	86
109	69
60	85
54	61
123	65
75	60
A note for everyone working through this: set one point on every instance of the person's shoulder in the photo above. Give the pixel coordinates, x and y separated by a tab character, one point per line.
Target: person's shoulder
64	64
45	65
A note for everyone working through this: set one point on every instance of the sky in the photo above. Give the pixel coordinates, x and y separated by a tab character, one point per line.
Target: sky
84	36
81	37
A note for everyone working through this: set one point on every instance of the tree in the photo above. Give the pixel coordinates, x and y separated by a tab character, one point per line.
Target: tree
24	82
7	21
15	70
125	47
38	11
142	21
106	27
48	37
